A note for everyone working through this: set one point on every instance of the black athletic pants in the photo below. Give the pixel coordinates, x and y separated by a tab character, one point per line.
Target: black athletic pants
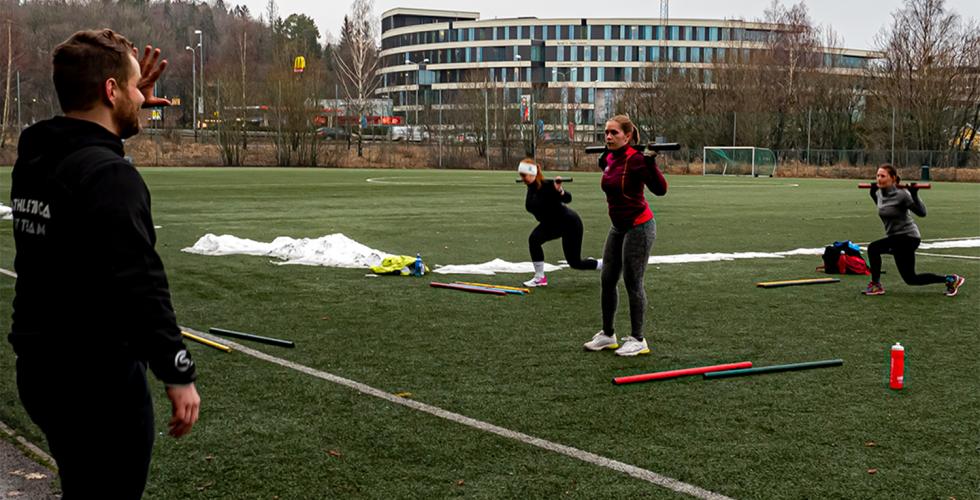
903	249
97	416
569	229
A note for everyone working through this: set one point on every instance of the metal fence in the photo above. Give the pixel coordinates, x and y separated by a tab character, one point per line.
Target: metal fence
864	157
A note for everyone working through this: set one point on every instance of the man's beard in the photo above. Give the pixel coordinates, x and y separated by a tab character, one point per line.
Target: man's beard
127	118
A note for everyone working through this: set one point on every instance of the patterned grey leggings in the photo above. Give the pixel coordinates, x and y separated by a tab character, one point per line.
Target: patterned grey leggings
626	254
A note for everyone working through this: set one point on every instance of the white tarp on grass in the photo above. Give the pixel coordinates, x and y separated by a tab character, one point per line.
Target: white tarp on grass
493	267
334	250
337	250
971	243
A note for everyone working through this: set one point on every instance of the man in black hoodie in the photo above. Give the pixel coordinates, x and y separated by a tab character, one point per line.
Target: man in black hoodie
92	305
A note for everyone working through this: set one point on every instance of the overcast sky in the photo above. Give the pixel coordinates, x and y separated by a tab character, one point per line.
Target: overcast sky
855	21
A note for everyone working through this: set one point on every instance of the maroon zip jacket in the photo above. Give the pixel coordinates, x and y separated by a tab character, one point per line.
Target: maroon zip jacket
624	173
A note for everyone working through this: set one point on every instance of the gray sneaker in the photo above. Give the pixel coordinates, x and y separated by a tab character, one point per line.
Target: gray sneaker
601	341
632	347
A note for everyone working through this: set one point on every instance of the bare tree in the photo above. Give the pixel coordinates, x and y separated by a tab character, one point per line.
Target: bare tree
6	95
357	59
919	76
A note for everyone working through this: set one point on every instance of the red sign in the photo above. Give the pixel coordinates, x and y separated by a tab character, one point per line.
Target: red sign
370	120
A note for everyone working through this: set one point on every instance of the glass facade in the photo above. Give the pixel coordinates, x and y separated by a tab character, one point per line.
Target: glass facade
584	56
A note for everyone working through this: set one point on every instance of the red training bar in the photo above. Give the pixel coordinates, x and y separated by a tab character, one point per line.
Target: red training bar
867	185
681	373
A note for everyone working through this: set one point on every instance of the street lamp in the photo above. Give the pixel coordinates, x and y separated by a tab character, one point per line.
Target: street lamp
564	96
200	46
517	69
418	83
193	87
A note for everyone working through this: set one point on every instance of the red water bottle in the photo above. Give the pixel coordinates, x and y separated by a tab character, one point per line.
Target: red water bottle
896	376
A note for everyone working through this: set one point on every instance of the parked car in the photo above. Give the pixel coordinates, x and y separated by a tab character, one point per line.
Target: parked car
331	133
409	133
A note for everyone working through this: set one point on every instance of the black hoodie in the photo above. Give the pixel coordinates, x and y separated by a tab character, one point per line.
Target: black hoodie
90	282
547	204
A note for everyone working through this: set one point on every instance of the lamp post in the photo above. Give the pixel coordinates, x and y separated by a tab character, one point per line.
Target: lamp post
418	83
564	108
517	69
200	46
193	87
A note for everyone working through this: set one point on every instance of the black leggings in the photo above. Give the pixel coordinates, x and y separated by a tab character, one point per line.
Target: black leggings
903	248
569	229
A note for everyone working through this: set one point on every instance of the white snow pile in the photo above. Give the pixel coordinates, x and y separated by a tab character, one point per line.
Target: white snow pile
683	258
337	250
494	266
971	243
333	250
6	213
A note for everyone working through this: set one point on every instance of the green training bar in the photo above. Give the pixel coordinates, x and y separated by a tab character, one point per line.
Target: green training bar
774	369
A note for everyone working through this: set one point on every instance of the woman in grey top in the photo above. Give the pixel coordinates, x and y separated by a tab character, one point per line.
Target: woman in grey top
901	234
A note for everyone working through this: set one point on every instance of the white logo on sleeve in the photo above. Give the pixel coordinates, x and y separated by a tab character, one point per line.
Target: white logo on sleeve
182	362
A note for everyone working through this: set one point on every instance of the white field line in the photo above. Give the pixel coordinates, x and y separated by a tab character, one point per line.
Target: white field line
585	456
424	181
951	256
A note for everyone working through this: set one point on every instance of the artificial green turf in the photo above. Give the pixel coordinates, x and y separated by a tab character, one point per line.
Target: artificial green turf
517	361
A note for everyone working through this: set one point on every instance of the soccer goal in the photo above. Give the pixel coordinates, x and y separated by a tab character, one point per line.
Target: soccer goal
738	160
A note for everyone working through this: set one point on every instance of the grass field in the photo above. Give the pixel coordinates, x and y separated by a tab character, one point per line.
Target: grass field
516	362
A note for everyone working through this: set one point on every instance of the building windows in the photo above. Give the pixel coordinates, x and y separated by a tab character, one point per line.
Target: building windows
709	53
713	34
675	33
614	56
695	54
607	32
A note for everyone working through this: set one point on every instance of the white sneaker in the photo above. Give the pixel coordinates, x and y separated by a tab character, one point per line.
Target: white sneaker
535	282
601	341
632	347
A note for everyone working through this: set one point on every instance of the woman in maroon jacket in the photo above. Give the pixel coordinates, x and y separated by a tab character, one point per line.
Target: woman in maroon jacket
625	173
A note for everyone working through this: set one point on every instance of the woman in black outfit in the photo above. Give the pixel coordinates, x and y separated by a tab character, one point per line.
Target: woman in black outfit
546	201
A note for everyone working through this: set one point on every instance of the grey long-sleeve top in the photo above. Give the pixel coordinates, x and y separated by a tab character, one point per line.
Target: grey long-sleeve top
894	205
